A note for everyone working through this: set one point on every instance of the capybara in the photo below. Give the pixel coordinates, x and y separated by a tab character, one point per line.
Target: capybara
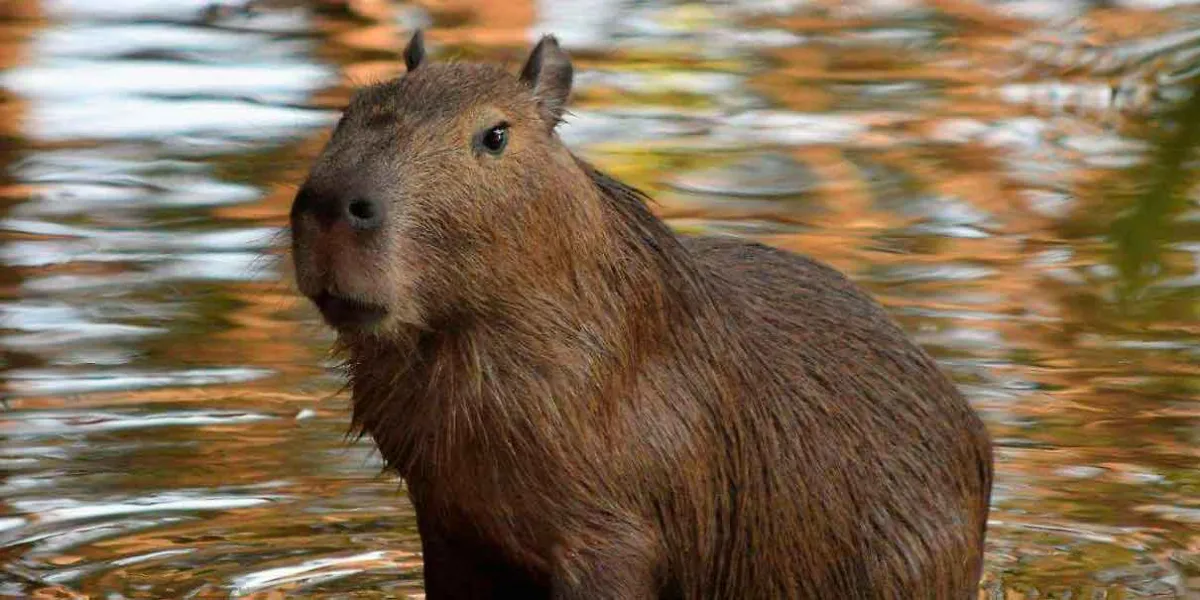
585	404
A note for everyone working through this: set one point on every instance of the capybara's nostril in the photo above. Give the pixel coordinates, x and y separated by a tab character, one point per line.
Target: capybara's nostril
364	214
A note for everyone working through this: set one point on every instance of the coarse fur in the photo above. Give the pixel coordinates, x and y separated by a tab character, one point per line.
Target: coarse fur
586	405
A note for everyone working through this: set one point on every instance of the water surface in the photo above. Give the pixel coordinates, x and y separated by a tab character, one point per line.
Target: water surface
1018	182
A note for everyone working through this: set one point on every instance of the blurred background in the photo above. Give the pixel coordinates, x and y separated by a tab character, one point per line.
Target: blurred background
1018	182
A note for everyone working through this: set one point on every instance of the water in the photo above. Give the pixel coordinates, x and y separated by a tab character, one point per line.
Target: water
1016	181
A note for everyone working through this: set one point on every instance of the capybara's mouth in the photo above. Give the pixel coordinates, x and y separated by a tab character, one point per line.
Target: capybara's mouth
347	313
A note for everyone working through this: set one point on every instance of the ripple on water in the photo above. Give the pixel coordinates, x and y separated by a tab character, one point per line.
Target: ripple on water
193	12
142	118
70	243
61	510
82	82
160	40
316	571
151	193
763	175
55	423
60	381
85	88
615	127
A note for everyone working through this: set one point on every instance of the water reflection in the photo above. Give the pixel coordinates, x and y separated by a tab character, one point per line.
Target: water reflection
1017	181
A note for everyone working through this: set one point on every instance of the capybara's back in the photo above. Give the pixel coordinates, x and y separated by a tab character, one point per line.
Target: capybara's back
864	472
585	405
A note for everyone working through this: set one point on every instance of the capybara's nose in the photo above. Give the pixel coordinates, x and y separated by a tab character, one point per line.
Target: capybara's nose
359	212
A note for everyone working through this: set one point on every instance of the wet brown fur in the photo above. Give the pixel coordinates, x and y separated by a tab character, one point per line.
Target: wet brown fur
586	405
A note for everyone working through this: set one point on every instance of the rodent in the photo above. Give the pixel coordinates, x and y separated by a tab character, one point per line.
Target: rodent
585	404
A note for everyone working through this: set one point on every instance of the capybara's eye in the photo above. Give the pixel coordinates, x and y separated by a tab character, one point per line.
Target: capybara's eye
495	138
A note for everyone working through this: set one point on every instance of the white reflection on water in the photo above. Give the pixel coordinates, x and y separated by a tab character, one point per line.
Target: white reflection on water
62	509
304	571
171	10
120	40
85	81
239	84
55	381
131	118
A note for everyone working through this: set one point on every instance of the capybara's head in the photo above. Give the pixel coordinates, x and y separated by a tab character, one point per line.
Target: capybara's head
436	190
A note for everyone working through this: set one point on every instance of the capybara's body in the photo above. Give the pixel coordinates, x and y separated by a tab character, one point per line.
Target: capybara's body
585	405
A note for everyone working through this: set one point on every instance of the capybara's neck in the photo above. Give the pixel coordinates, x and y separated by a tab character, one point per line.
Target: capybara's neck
549	354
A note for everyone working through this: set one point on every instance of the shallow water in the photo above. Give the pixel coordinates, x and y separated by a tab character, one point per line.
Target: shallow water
1016	181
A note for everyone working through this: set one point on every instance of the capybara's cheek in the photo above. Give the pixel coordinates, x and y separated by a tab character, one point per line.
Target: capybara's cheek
409	274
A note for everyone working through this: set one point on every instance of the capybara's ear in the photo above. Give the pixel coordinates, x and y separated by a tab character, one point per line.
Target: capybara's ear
414	52
548	71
